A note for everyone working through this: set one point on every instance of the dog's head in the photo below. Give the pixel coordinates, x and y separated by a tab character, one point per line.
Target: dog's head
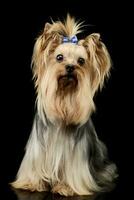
68	72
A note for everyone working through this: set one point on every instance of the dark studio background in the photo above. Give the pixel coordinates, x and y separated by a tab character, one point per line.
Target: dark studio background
22	22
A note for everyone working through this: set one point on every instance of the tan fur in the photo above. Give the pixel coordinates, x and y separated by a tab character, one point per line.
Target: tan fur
79	104
56	162
99	60
46	71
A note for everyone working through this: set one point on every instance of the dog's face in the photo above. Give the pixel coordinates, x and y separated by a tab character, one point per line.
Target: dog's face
68	75
70	63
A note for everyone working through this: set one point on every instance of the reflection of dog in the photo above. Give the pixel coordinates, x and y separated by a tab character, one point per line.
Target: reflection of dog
26	195
64	152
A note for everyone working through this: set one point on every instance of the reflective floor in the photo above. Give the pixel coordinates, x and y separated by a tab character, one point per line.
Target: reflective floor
12	194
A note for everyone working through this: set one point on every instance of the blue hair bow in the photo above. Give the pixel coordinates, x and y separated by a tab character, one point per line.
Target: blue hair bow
73	39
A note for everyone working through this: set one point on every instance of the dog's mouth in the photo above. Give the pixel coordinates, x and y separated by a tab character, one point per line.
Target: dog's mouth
67	81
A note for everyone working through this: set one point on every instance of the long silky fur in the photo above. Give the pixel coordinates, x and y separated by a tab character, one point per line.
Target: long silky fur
63	152
71	155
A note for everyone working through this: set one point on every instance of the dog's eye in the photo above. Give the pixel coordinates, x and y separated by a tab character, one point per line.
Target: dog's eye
59	57
81	61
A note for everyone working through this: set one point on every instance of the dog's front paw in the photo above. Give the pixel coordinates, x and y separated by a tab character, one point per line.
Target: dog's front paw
28	185
63	190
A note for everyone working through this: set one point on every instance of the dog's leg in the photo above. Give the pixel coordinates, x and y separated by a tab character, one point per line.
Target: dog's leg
29	176
27	184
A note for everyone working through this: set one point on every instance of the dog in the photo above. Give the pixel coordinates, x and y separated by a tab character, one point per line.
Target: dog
64	154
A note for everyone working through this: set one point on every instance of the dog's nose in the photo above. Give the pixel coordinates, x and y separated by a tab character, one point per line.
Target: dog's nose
69	68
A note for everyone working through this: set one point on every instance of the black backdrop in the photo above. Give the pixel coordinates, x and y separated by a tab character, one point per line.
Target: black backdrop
22	22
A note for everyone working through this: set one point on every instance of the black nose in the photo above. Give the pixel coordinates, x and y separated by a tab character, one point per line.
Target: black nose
69	68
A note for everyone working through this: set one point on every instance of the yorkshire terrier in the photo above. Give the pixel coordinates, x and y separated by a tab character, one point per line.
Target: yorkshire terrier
64	153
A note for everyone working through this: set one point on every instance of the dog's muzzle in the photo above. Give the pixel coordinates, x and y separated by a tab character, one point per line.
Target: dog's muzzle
69	79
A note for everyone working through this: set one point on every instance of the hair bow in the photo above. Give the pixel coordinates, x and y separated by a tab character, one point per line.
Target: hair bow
73	39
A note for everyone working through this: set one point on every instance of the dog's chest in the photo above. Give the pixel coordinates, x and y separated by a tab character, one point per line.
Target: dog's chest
62	154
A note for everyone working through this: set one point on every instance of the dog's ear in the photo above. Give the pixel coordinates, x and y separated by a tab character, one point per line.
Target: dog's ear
98	59
47	27
45	45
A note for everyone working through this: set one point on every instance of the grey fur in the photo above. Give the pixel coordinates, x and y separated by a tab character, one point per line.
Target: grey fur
103	171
